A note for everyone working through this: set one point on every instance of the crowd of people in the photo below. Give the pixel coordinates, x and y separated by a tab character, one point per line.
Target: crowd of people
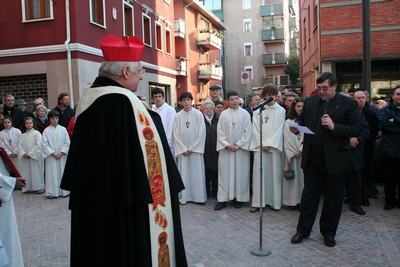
218	151
37	142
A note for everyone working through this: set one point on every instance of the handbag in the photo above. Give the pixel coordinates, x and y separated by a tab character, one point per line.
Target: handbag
288	173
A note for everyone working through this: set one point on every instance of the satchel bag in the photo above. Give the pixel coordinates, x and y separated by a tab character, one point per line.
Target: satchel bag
288	173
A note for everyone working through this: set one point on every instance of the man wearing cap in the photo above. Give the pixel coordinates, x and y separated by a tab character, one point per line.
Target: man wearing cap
122	177
215	93
21	105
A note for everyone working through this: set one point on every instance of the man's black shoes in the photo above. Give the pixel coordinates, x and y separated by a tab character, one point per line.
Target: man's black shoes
220	206
388	206
358	210
298	238
329	241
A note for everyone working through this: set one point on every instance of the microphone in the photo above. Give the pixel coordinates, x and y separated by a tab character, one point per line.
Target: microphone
262	104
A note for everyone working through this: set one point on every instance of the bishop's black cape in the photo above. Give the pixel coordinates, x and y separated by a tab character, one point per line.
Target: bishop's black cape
105	172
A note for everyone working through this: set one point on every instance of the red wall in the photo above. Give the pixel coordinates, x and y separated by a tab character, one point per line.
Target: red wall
15	34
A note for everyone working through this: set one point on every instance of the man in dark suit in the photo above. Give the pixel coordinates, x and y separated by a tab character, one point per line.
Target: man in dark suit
326	160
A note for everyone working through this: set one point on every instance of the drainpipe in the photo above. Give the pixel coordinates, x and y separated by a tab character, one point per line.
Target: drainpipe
187	44
68	49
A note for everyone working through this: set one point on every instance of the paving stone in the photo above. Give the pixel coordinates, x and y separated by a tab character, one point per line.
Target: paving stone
224	238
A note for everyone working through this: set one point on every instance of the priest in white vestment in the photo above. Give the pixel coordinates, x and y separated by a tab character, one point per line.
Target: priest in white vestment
10	247
233	142
9	138
273	117
293	144
189	138
55	146
167	114
31	160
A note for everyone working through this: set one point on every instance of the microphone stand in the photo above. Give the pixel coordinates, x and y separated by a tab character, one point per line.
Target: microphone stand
260	251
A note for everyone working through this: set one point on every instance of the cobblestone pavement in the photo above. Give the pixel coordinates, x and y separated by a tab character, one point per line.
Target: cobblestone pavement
224	238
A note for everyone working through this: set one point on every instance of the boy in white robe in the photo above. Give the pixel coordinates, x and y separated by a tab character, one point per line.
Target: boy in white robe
55	145
31	160
10	254
189	134
9	138
273	117
293	144
233	141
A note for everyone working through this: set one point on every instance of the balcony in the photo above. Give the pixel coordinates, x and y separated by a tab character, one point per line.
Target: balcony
180	28
181	66
291	8
271	10
209	71
209	40
274	59
273	35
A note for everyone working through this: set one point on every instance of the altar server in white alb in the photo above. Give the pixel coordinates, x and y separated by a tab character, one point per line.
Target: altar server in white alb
233	143
272	141
293	144
31	160
9	138
10	245
189	133
55	145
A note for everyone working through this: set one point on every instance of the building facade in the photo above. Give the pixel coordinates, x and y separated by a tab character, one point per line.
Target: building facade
53	47
331	40
258	42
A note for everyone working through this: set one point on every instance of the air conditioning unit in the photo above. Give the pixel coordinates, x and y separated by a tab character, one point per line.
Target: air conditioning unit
283	79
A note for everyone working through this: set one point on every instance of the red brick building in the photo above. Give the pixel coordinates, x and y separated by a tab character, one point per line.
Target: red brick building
53	46
331	40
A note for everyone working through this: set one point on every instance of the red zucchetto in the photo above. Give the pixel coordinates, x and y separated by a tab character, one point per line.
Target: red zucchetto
127	48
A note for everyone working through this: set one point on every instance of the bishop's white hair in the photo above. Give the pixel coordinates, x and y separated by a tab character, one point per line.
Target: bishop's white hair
114	68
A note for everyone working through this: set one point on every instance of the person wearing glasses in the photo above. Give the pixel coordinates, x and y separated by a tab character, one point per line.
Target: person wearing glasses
326	156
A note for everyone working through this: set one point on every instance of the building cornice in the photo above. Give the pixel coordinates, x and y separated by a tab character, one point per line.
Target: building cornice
78	47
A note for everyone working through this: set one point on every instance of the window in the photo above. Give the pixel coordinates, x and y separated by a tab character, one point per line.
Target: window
146	22
246	25
97	12
305	34
249	70
246	4
315	14
269	22
37	10
309	19
168	41
248	51
158	36
128	20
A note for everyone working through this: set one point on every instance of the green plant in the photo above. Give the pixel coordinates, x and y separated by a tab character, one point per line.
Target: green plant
292	68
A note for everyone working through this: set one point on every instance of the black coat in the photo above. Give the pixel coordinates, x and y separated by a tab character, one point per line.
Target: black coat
358	151
16	115
110	193
336	147
210	148
389	118
65	115
371	115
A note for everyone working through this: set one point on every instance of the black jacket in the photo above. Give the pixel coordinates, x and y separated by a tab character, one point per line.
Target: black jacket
389	118
358	151
210	148
336	147
65	115
16	115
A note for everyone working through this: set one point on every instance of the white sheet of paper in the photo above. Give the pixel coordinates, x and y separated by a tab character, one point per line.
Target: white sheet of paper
301	129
